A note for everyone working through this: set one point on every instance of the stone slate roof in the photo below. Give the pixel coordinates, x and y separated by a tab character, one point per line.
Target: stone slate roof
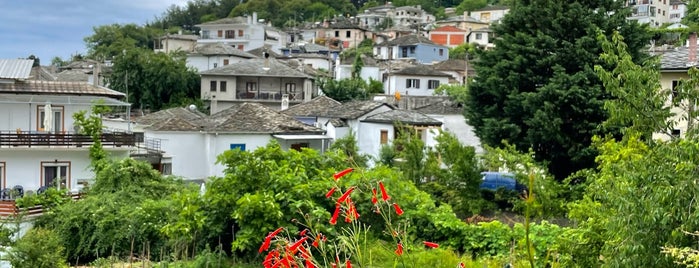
58	88
676	59
421	70
226	21
408	40
403	116
309	47
258	52
448	28
354	109
337	122
461	18
187	37
15	69
343	24
250	117
72	75
452	65
43	73
482	30
254	67
495	7
318	106
441	107
220	49
173	119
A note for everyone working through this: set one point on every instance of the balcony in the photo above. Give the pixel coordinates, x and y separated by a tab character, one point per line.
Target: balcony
47	140
269	96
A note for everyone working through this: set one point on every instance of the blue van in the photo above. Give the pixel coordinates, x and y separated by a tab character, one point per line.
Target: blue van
493	181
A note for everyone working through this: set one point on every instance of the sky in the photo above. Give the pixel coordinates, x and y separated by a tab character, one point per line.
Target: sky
50	28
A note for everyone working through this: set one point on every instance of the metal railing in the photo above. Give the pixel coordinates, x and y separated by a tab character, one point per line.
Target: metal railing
42	139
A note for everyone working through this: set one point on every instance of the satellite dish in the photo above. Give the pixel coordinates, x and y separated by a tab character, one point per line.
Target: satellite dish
192	107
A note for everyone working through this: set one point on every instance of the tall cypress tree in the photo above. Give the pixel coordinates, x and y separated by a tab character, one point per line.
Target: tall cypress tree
537	88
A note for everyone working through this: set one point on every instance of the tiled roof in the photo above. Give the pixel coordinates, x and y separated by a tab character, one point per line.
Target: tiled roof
448	28
43	73
495	7
258	52
354	109
337	122
249	117
235	20
309	47
343	24
316	107
676	59
421	70
441	107
461	19
58	88
408	40
187	37
483	30
73	75
452	65
173	119
15	69
403	116
254	67
220	49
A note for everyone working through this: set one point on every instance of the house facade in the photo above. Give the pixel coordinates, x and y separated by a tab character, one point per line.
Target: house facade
489	14
39	144
343	33
193	141
658	12
449	36
207	56
377	17
674	67
266	81
176	42
418	80
482	37
243	33
416	47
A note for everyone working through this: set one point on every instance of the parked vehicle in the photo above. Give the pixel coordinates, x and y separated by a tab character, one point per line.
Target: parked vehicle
492	181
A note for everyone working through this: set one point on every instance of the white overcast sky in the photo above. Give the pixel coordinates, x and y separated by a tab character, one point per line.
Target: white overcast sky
50	28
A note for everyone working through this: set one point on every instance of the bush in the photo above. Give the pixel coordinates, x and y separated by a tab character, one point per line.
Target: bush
39	248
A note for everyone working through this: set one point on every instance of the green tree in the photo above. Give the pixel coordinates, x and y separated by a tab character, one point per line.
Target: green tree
466	51
345	89
470	5
537	88
39	248
109	41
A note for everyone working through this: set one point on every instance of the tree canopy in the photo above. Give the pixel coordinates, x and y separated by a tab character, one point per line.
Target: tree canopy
537	88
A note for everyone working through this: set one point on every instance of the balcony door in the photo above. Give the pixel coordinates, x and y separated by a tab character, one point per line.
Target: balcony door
55	174
57	119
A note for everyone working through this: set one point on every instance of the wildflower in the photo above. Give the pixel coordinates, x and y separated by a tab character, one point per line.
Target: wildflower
294	247
399	250
348	264
333	220
399	210
373	196
276	232
331	192
384	195
303	233
271	256
265	245
461	265
340	174
430	244
309	264
346	194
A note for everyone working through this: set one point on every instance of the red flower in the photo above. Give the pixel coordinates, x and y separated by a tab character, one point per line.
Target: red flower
331	192
373	196
342	173
303	233
271	256
294	247
276	232
430	244
384	195
315	243
333	220
399	211
348	264
309	264
399	250
346	194
462	265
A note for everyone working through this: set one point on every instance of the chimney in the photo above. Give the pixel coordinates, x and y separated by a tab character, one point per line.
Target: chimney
254	18
179	32
692	56
214	105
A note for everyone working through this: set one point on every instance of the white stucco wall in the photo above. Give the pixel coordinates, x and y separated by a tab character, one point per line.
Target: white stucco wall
23	165
456	124
23	116
398	83
369	137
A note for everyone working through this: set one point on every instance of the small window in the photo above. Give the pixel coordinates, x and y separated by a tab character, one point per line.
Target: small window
205	34
337	33
57	120
241	47
675	83
348	34
223	86
166	169
290	87
432	84
240	32
441	52
55	174
251	86
299	146
230	34
239	146
220	33
412	83
225	62
676	133
384	136
479	36
2	175
212	86
412	50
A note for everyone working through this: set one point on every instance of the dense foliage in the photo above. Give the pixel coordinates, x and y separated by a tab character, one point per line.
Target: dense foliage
537	88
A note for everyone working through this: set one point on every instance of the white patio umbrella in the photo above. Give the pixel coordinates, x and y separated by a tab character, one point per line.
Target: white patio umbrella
48	117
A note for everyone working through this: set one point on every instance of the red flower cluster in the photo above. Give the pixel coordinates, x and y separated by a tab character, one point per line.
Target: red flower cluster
286	257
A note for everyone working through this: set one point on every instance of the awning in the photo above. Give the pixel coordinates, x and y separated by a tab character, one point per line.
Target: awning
302	137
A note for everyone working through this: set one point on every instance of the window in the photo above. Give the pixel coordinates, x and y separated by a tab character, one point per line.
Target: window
676	133
290	87
230	34
223	86
441	52
337	33
412	83
220	33
240	32
432	84
404	52
212	86
675	83
55	174
674	7
412	50
479	36
251	86
299	146
225	62
384	136
240	47
348	34
205	34
2	175
239	146
57	125
166	169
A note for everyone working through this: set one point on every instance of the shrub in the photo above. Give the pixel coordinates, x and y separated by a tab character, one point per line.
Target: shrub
39	248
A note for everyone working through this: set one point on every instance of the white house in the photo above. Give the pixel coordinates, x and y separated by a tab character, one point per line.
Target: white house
451	114
490	14
460	70
38	143
207	56
483	37
243	33
191	141
175	42
419	80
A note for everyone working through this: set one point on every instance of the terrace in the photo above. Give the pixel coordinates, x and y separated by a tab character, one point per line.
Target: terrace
9	139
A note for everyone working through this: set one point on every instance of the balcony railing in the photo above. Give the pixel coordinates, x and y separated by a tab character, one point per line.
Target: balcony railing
271	96
42	139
